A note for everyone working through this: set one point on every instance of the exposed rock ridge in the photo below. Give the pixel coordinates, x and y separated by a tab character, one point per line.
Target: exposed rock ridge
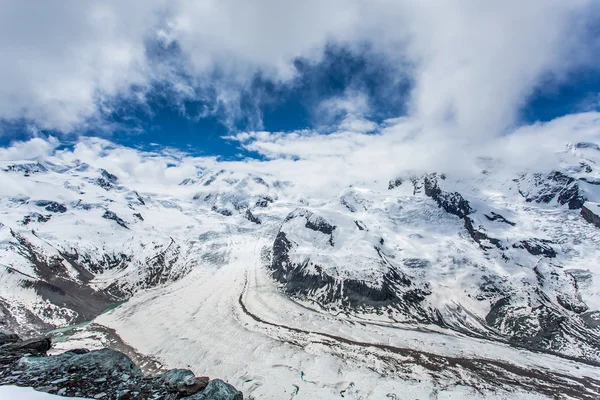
99	374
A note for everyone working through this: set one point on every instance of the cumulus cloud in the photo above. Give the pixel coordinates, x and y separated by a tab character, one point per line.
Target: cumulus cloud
29	150
472	63
327	163
322	165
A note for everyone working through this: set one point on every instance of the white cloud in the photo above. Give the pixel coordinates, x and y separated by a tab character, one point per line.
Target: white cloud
29	150
59	62
322	165
473	63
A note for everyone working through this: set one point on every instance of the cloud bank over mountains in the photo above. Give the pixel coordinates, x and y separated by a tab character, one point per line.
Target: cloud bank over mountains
470	67
472	64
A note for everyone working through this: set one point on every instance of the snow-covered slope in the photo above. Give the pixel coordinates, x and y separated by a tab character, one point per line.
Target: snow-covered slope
454	267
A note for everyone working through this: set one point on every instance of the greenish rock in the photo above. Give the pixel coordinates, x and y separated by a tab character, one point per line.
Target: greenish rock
217	390
184	381
105	360
174	376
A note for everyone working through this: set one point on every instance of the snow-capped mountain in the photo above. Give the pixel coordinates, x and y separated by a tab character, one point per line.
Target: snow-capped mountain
495	266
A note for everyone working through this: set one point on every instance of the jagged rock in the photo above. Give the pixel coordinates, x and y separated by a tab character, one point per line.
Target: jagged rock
27	169
106	180
111	215
37	217
537	247
138	216
98	374
394	183
542	188
299	283
51	206
497	217
575	305
252	218
217	390
587	145
139	198
184	381
8	338
264	201
591	213
314	222
15	349
452	203
481	238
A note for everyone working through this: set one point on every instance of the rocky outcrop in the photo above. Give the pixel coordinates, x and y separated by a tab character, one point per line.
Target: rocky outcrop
481	238
99	374
35	217
544	188
217	390
113	216
591	213
252	218
394	183
51	206
452	203
497	217
106	180
537	247
311	281
27	169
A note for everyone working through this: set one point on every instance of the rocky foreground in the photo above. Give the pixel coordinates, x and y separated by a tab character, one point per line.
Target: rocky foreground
100	374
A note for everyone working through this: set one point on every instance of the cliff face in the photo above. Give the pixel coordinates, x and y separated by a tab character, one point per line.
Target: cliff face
591	213
99	374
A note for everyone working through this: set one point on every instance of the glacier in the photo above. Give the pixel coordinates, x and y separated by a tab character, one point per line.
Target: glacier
423	285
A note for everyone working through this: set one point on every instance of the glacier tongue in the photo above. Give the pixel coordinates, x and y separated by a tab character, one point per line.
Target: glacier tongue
425	284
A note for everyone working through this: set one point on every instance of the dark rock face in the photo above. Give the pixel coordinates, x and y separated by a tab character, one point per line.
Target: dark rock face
138	216
590	214
217	390
314	222
112	216
536	247
394	183
35	217
555	185
497	217
54	283
27	169
252	218
106	180
223	211
100	374
587	145
51	206
8	338
320	225
213	178
360	225
14	348
452	203
395	289
264	202
577	307
481	238
184	382
543	327
139	198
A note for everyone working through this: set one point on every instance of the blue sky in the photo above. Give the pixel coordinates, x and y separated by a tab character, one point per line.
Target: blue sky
173	74
289	107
